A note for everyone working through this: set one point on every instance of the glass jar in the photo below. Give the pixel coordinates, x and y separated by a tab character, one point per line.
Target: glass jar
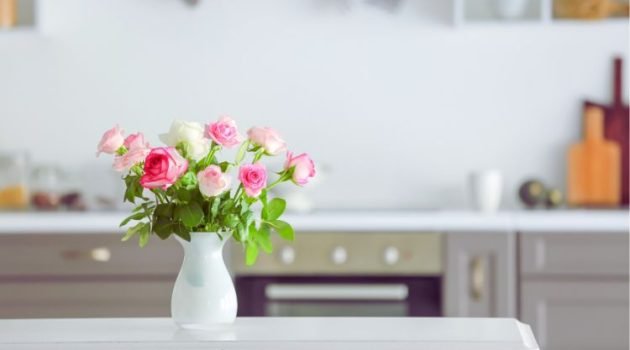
45	186
14	194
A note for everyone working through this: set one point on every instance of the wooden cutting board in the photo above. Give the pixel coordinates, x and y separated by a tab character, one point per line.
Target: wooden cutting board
616	127
594	175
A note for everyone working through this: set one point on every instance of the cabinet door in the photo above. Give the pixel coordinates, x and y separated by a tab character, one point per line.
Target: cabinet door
577	315
479	278
134	297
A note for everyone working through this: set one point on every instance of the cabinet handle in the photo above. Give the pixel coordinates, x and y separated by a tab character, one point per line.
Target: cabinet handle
100	254
477	278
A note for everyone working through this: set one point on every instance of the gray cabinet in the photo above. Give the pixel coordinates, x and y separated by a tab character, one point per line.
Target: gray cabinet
574	289
480	275
91	275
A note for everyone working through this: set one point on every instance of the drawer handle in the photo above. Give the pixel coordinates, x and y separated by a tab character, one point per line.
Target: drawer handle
477	278
100	254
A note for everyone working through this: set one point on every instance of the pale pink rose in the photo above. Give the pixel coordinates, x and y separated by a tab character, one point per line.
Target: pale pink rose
136	141
224	132
304	168
132	157
212	182
111	141
254	178
162	167
268	139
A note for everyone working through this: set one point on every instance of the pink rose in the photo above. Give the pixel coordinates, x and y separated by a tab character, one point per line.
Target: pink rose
224	132
137	151
212	182
132	157
162	167
254	178
303	165
136	141
111	141
268	139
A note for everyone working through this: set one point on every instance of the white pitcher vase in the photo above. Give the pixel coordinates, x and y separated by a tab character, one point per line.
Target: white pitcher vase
203	295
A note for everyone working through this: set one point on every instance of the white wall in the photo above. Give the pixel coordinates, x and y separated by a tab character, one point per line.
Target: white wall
399	106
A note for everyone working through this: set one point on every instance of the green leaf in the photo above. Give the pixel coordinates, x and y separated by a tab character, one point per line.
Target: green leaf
283	228
251	253
263	238
274	209
248	218
130	192
231	220
190	214
244	207
182	231
240	155
135	216
133	231
227	205
163	227
164	210
184	195
144	235
242	232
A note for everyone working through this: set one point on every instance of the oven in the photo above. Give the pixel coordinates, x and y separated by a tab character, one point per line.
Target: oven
344	274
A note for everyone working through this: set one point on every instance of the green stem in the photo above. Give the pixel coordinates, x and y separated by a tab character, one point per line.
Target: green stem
284	177
258	155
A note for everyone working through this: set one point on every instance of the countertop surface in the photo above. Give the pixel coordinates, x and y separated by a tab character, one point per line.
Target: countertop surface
359	220
271	333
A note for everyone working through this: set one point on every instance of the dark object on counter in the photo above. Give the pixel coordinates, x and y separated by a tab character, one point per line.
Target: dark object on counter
532	193
553	198
45	201
73	201
616	126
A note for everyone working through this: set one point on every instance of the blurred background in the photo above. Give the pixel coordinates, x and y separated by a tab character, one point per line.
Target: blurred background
460	171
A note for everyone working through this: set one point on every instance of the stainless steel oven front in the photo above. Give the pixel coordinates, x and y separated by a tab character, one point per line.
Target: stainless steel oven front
343	274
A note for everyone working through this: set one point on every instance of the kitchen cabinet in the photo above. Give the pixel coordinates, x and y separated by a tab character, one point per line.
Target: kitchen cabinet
574	289
93	275
479	278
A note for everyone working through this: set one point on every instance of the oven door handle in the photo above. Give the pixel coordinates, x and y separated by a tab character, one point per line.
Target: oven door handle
328	291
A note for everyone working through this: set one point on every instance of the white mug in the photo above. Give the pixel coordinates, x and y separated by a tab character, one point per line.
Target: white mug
486	190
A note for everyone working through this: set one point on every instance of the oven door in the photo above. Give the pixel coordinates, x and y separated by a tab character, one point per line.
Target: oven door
339	296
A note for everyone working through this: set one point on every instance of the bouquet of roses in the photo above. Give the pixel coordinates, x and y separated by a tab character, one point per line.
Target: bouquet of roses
186	187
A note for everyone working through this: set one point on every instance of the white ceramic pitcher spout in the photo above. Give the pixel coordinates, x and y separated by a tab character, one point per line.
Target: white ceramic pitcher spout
204	295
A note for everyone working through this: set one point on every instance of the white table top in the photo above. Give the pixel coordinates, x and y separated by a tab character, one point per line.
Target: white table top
271	333
574	221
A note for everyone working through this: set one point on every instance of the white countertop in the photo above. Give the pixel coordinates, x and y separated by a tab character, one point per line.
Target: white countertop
366	220
271	333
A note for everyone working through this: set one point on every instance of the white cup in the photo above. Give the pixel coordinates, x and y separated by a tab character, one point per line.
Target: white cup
485	190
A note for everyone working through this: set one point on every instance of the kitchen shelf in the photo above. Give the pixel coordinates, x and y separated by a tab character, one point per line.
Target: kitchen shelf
536	12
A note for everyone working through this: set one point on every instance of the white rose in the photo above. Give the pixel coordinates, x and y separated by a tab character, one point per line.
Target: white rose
192	134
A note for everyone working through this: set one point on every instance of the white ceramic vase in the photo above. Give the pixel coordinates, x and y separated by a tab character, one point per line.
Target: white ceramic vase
204	295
